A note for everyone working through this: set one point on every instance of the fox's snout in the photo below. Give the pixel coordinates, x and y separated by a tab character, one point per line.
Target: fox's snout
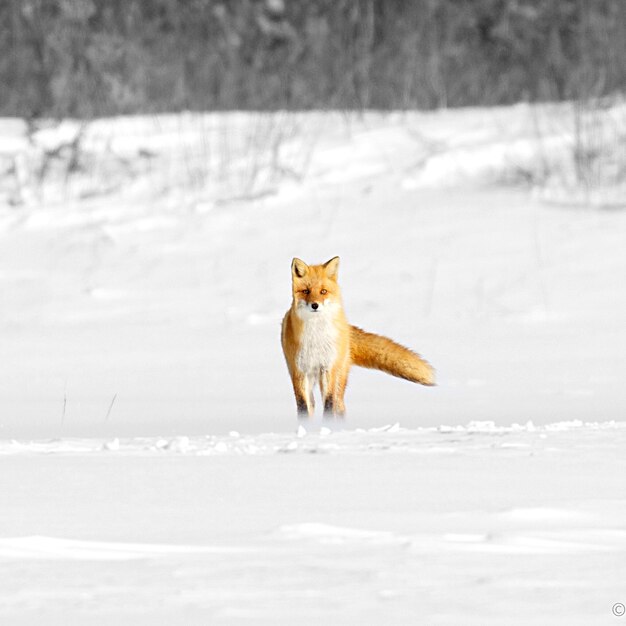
313	307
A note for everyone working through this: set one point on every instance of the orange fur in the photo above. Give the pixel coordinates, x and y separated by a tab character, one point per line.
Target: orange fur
320	346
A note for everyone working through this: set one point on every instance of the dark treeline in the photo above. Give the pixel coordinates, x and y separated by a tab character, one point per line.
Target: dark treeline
87	58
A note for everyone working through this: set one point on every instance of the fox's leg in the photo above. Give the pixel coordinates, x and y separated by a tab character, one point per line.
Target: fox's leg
342	382
304	395
309	383
333	384
326	387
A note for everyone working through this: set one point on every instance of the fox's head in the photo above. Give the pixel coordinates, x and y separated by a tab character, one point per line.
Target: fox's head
315	288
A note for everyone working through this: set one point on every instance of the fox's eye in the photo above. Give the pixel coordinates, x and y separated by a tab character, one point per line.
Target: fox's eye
323	292
306	292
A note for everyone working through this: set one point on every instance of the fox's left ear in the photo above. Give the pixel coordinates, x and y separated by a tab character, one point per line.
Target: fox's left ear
332	267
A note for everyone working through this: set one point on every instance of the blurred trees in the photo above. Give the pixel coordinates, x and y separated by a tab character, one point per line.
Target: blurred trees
86	58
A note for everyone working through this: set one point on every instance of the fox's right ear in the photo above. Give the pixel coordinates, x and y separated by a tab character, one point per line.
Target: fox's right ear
299	268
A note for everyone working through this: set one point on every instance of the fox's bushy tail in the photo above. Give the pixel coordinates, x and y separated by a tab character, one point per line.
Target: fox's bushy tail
377	352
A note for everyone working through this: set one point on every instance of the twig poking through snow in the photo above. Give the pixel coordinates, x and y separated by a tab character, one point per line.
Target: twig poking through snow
106	419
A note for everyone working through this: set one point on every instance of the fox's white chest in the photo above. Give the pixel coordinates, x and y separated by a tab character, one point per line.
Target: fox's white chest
318	346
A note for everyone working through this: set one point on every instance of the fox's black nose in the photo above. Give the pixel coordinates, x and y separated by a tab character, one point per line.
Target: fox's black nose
314	306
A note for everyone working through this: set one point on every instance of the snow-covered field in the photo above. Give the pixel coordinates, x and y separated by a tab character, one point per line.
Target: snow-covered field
152	470
477	525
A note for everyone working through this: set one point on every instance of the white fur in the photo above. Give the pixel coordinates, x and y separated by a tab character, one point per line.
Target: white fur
318	343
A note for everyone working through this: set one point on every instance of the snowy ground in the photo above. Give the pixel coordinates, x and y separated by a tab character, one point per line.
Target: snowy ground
478	525
141	327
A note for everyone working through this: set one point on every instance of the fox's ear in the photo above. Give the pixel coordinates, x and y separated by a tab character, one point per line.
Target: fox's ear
299	268
332	267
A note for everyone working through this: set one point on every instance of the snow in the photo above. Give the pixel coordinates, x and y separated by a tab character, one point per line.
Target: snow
374	526
50	548
318	438
151	465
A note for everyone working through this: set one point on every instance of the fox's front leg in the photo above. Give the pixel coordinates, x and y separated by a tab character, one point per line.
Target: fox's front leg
340	390
304	395
333	385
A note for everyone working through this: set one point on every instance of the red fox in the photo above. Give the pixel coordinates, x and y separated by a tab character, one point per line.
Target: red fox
320	345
